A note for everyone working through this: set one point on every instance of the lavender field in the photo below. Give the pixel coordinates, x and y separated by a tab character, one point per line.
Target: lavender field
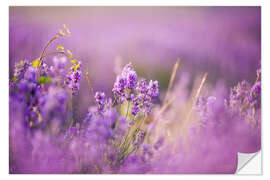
133	90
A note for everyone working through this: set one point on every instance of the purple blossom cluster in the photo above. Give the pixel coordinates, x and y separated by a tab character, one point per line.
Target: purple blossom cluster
20	69
245	99
52	105
27	90
143	101
126	87
73	78
101	101
124	84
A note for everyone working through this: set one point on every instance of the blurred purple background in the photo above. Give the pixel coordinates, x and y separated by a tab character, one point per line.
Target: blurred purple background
223	41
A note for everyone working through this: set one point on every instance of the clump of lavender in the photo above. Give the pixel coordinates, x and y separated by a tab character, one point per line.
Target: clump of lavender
20	69
139	92
115	135
27	90
103	139
245	99
52	105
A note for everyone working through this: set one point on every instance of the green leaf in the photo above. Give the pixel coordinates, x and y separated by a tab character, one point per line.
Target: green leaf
14	79
44	79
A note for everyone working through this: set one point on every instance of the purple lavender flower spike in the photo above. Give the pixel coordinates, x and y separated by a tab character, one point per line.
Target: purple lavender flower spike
256	88
153	88
101	101
31	74
119	88
131	79
20	69
135	106
135	110
142	102
124	83
73	78
139	138
142	86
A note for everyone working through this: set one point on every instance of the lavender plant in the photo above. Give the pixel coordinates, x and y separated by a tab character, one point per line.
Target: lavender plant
125	133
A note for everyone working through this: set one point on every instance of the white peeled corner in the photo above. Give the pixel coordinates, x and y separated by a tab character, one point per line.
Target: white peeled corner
249	163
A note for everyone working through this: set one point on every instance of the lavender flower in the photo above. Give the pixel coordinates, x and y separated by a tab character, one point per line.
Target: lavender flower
139	93
135	106
139	138
119	89
101	101
239	93
131	76
31	75
153	88
143	100
124	83
141	86
20	69
256	88
73	78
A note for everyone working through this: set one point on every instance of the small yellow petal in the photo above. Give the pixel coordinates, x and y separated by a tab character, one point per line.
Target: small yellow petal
66	29
76	67
36	63
61	48
61	32
74	61
70	54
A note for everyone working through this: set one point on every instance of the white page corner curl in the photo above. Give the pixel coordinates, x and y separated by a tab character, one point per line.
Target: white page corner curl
249	163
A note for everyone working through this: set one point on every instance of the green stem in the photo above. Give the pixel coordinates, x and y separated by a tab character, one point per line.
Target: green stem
128	108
